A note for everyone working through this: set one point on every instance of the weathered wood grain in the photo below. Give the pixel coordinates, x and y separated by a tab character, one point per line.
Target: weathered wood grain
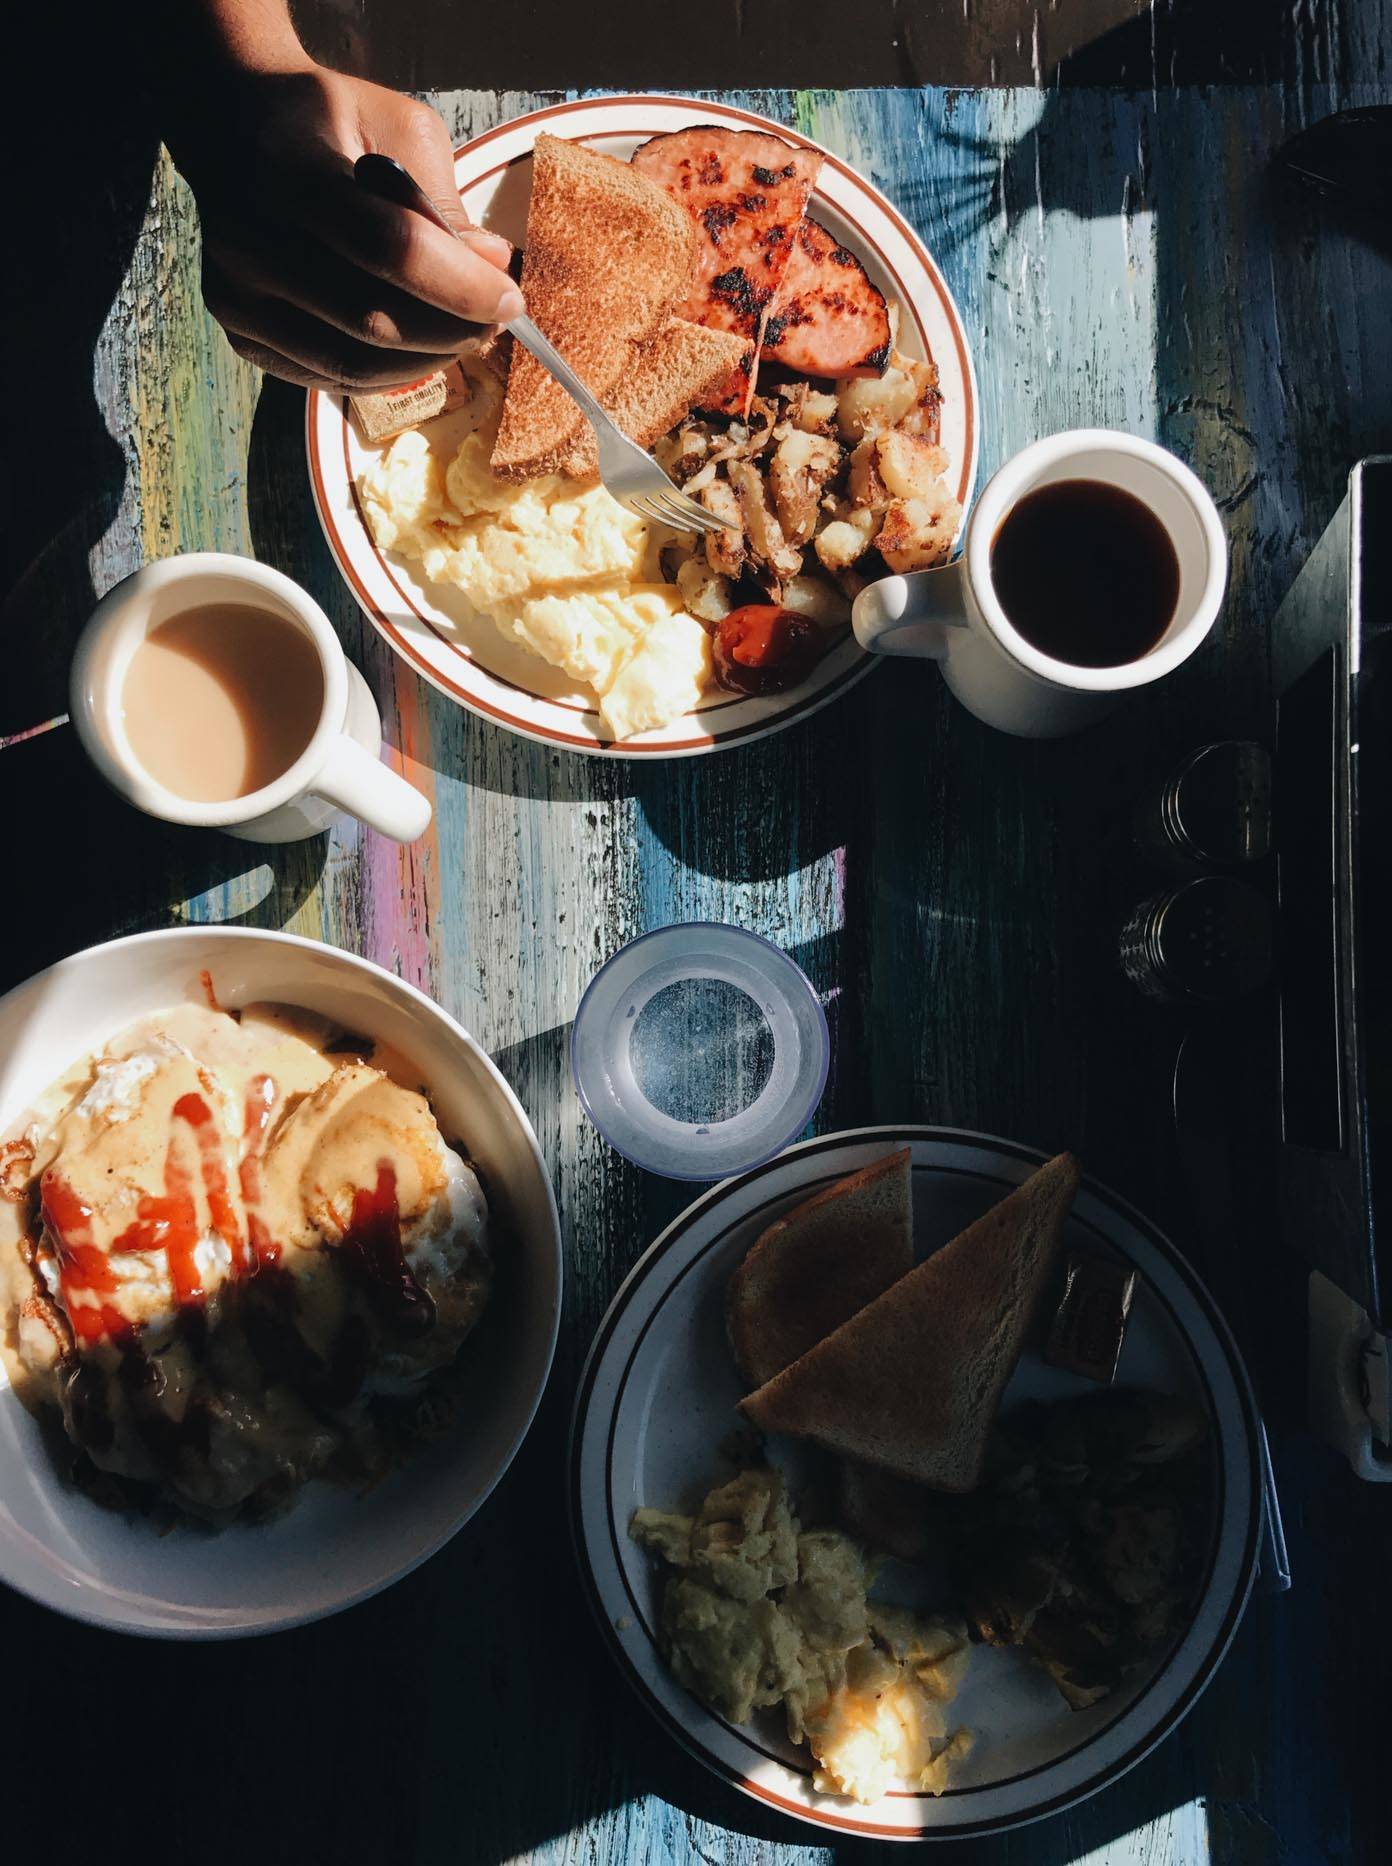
1139	43
955	895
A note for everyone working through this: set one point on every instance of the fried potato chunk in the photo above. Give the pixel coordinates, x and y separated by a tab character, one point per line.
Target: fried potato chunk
798	474
917	534
846	539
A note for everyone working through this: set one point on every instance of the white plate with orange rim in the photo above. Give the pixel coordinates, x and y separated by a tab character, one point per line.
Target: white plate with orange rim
462	653
658	1396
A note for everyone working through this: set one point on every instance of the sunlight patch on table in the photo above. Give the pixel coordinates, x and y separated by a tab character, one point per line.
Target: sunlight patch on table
1179	1834
230	900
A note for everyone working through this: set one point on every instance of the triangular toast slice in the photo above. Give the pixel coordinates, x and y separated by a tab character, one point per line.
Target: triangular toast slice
818	1264
678	370
912	1383
609	256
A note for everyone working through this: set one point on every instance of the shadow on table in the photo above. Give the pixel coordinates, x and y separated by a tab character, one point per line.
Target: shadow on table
102	869
88	857
63	474
1273	421
762	811
1308	270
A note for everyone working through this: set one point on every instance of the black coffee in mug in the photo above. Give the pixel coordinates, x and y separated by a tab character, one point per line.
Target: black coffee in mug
1086	572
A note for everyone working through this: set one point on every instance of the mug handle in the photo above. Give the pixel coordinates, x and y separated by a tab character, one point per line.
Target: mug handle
911	614
361	784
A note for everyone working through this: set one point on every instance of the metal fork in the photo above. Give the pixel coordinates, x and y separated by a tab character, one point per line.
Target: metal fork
631	476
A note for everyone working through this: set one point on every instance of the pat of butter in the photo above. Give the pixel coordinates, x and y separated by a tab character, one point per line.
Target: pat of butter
391	410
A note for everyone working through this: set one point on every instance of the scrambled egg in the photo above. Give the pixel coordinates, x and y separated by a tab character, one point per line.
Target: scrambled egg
888	1723
561	568
757	1613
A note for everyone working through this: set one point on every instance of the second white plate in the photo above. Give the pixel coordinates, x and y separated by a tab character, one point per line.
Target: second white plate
659	1393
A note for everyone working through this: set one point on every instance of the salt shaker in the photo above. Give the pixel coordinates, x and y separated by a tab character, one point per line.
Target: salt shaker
1202	942
1213	811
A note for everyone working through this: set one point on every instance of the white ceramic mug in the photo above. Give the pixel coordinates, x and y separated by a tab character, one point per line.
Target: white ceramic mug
953	615
338	770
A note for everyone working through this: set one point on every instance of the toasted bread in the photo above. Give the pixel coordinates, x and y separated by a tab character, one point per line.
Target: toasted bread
608	257
818	1264
912	1383
678	370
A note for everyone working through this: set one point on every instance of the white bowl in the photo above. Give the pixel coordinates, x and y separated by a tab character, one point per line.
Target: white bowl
334	1547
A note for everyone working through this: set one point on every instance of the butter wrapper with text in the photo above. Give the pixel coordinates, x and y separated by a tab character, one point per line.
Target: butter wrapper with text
379	416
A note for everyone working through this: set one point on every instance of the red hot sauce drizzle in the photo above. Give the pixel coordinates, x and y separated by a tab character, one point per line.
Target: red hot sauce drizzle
83	1267
372	1244
165	1222
222	1212
260	1104
168	1222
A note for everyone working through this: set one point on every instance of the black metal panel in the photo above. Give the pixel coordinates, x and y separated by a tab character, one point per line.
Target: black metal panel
1332	641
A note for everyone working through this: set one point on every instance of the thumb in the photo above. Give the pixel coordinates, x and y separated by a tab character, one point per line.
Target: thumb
432	166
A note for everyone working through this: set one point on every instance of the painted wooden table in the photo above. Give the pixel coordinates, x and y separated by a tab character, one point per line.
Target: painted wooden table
955	895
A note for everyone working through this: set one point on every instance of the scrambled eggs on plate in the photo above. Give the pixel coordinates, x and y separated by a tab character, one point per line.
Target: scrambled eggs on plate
758	1613
562	569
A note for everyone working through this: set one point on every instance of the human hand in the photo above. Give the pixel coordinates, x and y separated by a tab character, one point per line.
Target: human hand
313	278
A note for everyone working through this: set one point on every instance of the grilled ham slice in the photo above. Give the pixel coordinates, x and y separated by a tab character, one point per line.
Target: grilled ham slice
746	193
828	319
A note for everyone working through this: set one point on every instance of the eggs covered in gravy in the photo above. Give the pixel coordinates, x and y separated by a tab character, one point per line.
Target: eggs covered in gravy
234	1249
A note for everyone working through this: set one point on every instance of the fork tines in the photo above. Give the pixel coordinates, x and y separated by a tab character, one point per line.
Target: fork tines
676	510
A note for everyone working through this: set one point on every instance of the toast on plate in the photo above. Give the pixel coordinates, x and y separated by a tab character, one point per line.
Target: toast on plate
817	1264
912	1383
677	370
608	258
